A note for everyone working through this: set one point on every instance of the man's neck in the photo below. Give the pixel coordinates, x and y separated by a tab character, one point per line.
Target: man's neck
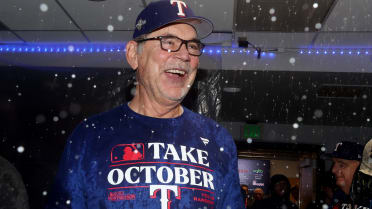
346	190
156	110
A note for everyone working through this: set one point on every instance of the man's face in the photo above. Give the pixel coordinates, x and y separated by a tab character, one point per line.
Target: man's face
281	188
245	188
344	172
258	195
158	70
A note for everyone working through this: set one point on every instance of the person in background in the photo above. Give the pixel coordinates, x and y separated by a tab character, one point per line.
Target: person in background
245	194
258	195
177	158
279	194
346	159
361	188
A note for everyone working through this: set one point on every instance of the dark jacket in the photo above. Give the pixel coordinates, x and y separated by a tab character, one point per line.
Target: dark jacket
361	190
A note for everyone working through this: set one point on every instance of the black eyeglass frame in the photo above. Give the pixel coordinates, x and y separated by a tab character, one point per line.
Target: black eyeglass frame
186	42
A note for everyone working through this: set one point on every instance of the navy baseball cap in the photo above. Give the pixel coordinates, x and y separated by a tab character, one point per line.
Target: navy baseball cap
161	13
348	151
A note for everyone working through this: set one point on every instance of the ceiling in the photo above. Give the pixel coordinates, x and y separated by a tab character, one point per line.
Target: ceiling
112	21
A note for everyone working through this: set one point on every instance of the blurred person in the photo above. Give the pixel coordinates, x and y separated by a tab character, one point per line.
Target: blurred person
245	194
361	188
346	159
177	158
258	195
279	194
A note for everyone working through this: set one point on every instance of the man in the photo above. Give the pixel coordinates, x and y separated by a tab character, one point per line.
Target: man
346	159
258	195
185	160
245	194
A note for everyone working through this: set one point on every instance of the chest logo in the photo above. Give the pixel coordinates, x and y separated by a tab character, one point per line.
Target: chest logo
204	140
127	152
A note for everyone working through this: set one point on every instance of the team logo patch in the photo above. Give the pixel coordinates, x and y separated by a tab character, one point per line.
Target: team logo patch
337	145
140	23
204	140
127	152
180	6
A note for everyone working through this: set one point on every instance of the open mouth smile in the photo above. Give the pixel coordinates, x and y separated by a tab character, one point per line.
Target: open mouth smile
180	73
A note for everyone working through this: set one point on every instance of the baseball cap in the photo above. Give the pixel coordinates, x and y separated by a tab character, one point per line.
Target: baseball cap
348	151
161	13
366	165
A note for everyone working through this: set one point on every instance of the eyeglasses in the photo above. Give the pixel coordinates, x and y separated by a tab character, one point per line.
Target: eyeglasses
173	44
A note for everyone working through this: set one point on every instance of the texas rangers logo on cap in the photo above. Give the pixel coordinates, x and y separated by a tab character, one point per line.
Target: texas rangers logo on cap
337	145
180	8
161	13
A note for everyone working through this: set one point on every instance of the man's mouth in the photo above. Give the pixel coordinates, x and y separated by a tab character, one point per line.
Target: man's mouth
180	73
339	178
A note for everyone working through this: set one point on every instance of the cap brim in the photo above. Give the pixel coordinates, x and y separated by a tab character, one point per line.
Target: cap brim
366	171
202	26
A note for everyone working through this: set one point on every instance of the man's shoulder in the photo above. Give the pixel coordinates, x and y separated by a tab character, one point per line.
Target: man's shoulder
109	117
201	121
198	118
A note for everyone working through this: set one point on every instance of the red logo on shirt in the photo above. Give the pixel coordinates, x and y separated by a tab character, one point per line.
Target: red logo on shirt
127	152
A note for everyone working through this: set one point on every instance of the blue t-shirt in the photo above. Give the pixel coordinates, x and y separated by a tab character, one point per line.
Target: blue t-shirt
121	159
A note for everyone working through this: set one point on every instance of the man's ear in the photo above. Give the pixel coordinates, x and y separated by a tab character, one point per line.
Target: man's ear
131	54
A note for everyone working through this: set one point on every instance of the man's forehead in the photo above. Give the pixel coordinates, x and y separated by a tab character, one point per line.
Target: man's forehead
343	161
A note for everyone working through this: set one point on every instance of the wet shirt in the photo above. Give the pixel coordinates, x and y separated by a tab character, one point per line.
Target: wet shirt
121	159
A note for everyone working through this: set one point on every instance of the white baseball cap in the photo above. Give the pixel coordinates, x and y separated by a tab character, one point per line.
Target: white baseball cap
366	165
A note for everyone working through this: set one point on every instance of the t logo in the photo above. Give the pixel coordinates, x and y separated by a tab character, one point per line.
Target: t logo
338	144
180	8
165	194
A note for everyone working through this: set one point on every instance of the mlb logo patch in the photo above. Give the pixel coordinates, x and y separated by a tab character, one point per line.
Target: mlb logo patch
127	152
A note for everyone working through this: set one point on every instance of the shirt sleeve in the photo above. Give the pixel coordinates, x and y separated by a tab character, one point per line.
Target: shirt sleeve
68	188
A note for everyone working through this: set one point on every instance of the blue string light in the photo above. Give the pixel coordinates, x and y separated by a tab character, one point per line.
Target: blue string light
119	48
62	48
351	52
